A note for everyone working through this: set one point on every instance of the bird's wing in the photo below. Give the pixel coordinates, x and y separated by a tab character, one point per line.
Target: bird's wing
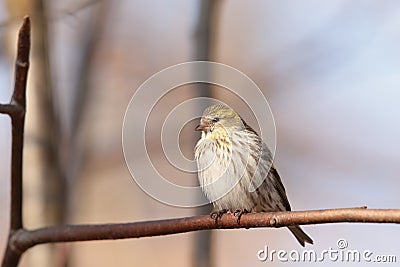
265	167
279	187
259	159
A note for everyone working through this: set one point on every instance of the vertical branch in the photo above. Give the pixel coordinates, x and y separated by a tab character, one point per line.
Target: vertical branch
18	121
16	110
205	40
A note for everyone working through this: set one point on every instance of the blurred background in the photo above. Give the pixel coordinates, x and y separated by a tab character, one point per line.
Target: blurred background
329	69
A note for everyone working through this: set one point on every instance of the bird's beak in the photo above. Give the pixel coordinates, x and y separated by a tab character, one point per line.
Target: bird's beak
204	125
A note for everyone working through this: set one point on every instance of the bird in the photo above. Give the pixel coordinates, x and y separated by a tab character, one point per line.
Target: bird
235	168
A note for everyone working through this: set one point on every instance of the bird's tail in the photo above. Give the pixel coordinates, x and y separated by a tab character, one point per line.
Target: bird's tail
300	235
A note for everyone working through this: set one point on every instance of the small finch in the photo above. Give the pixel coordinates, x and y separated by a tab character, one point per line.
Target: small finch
235	168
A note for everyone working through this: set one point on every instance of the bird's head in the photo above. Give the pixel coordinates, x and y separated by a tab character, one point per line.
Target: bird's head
219	119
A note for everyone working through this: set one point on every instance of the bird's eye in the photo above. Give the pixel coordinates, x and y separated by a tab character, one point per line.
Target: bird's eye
216	119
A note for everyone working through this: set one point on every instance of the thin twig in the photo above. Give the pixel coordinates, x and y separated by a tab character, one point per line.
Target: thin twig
25	239
18	121
16	110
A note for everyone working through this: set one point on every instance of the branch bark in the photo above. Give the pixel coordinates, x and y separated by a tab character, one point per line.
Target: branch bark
16	110
18	102
25	239
8	109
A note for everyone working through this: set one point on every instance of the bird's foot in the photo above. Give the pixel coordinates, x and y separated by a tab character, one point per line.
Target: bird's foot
238	214
215	215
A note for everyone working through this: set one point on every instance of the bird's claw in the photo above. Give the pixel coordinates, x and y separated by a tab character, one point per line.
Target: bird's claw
215	215
238	214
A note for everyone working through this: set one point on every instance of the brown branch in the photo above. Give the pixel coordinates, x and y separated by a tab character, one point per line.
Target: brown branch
24	239
18	121
22	63
16	110
8	109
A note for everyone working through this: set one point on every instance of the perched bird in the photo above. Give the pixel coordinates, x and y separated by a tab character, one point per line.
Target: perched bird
235	168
